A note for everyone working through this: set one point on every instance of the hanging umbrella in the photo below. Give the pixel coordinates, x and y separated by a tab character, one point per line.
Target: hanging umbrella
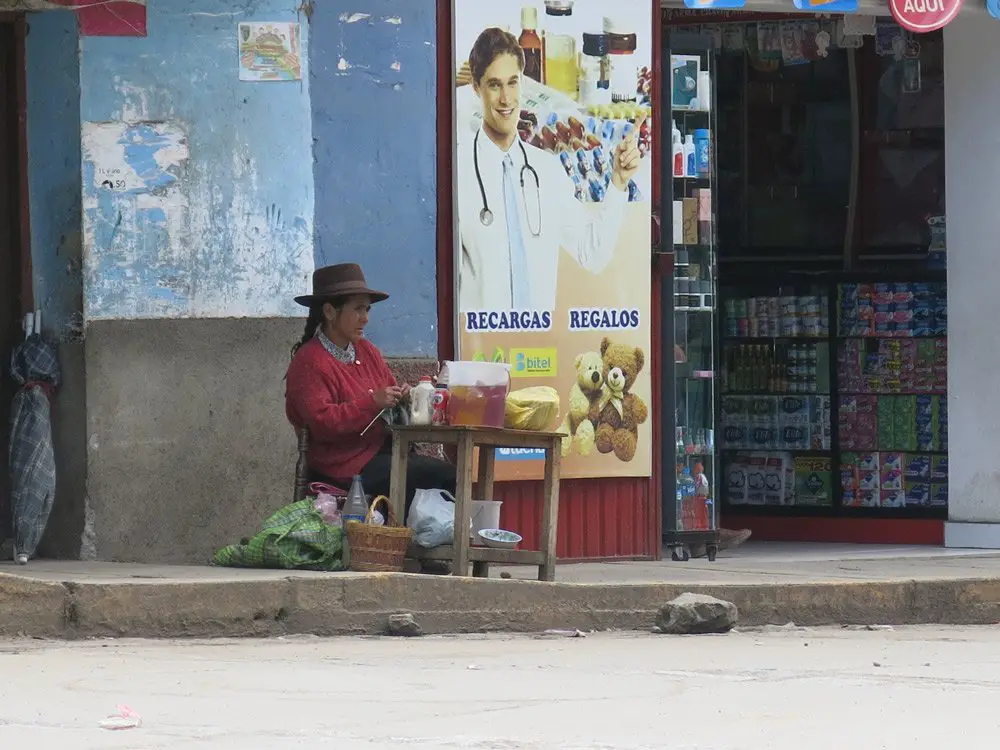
35	368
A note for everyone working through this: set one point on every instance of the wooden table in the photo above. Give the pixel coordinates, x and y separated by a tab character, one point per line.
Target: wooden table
487	440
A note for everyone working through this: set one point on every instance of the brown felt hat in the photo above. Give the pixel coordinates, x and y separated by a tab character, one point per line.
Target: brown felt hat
341	280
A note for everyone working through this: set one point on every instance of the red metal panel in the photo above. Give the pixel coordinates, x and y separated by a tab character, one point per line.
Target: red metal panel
108	17
445	217
841	530
598	518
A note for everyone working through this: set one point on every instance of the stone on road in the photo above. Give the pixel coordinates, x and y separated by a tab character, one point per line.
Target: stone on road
775	689
404	625
694	614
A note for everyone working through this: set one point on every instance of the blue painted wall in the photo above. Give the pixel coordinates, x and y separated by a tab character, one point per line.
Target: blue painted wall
372	75
53	74
216	216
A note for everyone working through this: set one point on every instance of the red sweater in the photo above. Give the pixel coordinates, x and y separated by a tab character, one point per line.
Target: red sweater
334	401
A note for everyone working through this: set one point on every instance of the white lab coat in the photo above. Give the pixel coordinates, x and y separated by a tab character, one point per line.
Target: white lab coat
589	232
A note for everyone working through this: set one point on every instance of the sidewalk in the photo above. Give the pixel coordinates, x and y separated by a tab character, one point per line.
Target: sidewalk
771	583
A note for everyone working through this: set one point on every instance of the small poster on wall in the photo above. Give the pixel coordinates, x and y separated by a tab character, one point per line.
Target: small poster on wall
270	52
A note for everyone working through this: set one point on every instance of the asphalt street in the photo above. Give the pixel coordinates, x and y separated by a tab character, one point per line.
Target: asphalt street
778	688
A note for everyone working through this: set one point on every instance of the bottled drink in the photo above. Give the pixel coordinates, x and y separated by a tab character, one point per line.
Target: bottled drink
355	507
701	488
531	44
687	484
702	502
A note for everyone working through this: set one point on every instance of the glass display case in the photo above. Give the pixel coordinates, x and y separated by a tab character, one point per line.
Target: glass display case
834	395
690	330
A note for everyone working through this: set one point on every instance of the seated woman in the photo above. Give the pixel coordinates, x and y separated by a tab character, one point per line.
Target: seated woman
338	383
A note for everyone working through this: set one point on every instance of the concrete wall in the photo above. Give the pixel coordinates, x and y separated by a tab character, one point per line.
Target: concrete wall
188	445
53	123
190	272
191	257
215	218
372	75
972	98
54	170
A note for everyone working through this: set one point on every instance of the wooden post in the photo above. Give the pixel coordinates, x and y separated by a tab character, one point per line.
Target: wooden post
463	504
397	475
484	486
550	510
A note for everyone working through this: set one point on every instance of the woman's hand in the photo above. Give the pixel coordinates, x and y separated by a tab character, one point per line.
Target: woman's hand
405	389
387	397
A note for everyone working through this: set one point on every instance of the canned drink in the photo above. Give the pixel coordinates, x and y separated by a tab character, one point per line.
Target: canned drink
732	327
753	329
742	327
752	309
739	308
772	307
787	306
731	308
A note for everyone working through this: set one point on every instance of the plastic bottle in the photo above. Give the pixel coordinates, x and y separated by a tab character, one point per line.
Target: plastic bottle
355	507
422	403
678	154
703	151
440	402
687	484
701	488
690	168
704	91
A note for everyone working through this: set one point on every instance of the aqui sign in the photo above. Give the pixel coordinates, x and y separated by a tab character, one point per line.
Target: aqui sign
921	16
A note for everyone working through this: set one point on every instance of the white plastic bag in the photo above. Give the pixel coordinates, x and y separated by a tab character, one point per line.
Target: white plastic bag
432	518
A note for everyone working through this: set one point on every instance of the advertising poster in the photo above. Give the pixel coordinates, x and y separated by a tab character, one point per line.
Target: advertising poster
270	52
554	180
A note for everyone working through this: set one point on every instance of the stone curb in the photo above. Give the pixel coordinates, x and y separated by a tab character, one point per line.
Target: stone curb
356	605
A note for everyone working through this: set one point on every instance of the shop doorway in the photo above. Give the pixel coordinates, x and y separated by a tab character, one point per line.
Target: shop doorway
809	320
14	271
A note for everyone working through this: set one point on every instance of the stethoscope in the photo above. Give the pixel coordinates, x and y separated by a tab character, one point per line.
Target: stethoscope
485	215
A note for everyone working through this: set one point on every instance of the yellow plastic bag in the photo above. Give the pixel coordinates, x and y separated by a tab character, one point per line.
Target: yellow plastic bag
535	408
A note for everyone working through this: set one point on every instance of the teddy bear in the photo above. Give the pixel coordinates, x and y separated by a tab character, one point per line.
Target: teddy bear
584	393
618	412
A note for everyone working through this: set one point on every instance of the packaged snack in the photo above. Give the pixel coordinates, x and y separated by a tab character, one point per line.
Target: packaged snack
939	469
918	494
813	481
917	467
893	499
939	495
869	499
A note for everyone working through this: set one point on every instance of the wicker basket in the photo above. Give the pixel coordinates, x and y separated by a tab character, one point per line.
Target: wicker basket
378	549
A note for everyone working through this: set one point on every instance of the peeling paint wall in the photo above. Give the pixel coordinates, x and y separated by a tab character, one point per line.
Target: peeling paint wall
53	124
372	75
197	188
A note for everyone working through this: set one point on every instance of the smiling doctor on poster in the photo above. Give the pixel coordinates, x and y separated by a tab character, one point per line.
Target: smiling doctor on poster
516	205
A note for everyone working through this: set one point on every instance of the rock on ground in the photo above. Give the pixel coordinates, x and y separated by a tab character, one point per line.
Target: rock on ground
404	625
696	614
